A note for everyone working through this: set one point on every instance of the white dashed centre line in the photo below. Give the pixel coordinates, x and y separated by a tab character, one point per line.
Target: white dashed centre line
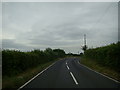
74	78
72	74
68	67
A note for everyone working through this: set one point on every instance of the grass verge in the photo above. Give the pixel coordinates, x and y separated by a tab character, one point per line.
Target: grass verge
99	68
19	80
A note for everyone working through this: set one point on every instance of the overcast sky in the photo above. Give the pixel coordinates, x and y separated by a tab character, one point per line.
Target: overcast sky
39	25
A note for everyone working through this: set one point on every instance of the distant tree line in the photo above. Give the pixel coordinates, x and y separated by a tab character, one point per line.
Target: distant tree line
15	62
106	55
71	54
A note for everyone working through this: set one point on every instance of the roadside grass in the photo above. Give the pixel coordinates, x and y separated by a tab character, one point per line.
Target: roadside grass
100	68
19	80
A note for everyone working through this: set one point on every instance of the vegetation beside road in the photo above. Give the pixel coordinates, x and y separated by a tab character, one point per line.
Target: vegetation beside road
19	67
18	80
104	60
100	68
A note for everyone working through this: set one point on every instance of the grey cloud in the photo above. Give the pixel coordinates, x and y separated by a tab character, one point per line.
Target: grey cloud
11	44
42	25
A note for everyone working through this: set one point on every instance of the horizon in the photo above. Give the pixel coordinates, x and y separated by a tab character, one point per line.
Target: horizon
55	48
29	25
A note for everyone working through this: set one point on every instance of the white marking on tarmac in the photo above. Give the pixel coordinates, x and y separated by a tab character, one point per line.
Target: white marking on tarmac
35	77
74	78
100	73
68	67
78	62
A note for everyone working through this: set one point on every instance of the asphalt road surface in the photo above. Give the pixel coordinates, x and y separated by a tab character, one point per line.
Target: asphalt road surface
69	73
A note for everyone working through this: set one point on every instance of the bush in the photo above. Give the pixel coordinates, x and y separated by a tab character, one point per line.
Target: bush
15	62
107	55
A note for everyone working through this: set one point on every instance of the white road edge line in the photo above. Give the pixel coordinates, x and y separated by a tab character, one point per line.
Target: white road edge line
99	73
74	78
34	77
66	63
68	67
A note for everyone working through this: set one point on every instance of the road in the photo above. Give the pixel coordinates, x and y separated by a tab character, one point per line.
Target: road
69	73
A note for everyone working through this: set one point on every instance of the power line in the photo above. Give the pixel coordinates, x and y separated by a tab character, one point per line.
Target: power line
84	39
107	9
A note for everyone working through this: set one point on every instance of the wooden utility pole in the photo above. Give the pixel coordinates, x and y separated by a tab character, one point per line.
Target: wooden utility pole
84	46
84	39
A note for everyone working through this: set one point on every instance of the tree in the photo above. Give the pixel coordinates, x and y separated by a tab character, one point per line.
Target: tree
84	48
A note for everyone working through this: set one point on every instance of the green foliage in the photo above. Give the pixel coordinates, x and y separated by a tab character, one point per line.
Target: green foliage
59	52
107	55
15	62
84	48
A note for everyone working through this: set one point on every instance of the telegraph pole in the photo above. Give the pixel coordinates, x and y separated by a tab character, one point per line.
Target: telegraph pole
84	46
84	39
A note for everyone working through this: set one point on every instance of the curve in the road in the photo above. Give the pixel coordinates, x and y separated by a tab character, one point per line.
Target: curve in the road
69	73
